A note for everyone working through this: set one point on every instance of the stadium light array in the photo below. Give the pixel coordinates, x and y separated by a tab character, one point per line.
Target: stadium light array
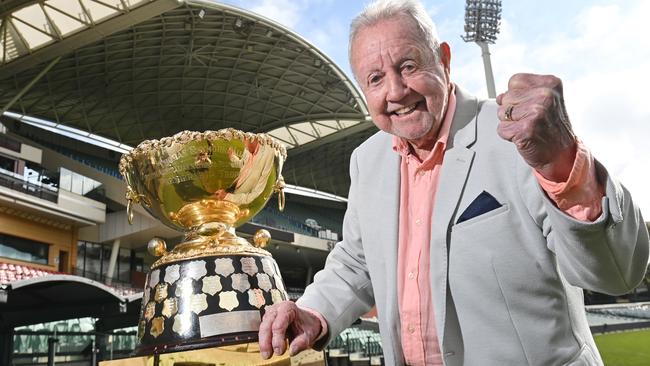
482	20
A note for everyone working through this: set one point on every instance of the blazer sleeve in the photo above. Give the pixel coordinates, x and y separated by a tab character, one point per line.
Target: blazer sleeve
342	291
608	255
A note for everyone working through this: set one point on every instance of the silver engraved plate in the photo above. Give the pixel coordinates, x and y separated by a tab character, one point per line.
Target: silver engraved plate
276	295
240	282
184	288
141	327
170	307
264	282
146	295
154	278
228	300
211	285
267	266
157	326
198	303
196	269
161	292
249	266
226	323
223	266
182	323
149	310
172	273
256	298
279	284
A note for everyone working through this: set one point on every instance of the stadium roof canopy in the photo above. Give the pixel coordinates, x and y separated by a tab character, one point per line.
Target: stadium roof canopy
61	296
130	70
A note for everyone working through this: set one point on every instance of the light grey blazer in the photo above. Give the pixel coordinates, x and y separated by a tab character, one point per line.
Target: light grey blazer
506	284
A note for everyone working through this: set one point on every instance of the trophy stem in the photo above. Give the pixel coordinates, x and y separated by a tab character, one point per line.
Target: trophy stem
209	239
195	215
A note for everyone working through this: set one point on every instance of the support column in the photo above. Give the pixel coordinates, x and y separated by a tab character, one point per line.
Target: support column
487	65
310	274
51	350
113	261
6	345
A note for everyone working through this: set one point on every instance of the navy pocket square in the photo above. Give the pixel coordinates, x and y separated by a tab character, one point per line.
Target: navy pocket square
483	203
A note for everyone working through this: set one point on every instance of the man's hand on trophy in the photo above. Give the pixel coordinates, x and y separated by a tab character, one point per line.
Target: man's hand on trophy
286	320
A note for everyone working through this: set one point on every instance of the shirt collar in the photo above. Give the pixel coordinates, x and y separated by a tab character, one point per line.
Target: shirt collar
403	147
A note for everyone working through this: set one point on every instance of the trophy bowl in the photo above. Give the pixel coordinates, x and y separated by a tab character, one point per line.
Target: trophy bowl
212	288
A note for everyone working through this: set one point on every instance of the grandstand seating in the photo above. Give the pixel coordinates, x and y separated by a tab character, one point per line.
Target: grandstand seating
74	336
356	346
623	314
10	272
294	293
293	219
93	162
634	312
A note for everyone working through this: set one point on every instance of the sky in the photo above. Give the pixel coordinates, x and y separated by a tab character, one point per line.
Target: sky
595	46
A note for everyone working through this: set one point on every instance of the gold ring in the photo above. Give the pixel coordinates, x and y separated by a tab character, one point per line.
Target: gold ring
509	112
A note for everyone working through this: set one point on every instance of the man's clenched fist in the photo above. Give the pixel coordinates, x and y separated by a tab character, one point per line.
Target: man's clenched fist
533	117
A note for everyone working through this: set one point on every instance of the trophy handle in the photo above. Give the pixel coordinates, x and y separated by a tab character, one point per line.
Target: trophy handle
279	189
129	211
131	198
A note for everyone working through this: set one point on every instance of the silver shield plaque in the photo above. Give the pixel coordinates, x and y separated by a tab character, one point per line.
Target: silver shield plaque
225	323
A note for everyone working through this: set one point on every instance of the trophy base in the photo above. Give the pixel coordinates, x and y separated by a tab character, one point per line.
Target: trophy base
246	354
212	300
216	341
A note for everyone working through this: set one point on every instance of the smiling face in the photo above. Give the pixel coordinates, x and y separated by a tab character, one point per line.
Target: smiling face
405	85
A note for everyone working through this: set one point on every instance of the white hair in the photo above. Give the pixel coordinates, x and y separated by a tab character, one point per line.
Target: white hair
387	9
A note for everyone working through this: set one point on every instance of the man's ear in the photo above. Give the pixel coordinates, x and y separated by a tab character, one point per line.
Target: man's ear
445	55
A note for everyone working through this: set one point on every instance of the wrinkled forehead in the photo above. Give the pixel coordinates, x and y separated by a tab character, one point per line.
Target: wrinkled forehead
399	26
393	38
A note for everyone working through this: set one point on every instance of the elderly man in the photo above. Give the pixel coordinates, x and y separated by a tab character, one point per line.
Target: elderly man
473	226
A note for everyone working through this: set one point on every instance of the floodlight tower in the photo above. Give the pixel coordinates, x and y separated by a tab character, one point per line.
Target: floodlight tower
482	20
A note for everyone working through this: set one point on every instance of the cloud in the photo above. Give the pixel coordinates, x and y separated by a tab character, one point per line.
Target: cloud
286	12
601	57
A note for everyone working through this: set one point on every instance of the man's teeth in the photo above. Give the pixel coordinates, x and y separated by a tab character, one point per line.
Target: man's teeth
405	110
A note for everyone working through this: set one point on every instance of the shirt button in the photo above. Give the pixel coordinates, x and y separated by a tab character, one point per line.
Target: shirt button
411	275
411	329
418	222
421	172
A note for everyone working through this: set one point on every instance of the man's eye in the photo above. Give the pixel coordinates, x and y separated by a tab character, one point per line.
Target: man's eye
408	67
374	79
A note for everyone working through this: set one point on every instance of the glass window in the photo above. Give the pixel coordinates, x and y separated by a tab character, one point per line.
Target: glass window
81	258
94	257
123	270
7	164
23	249
77	183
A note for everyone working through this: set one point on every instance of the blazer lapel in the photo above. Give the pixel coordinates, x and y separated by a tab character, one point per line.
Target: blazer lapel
453	175
389	222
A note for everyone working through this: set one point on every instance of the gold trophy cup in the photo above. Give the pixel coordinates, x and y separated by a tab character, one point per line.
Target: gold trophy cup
211	289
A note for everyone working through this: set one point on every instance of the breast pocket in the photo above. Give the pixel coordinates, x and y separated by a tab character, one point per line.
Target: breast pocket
493	214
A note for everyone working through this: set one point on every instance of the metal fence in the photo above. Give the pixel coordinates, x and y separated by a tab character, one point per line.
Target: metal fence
32	189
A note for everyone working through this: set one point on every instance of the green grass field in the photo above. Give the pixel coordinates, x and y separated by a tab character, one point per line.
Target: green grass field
625	349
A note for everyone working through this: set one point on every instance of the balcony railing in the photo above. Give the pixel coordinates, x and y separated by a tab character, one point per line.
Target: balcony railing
17	184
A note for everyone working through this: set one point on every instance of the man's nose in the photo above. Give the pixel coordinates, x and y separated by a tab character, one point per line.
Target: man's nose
397	88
